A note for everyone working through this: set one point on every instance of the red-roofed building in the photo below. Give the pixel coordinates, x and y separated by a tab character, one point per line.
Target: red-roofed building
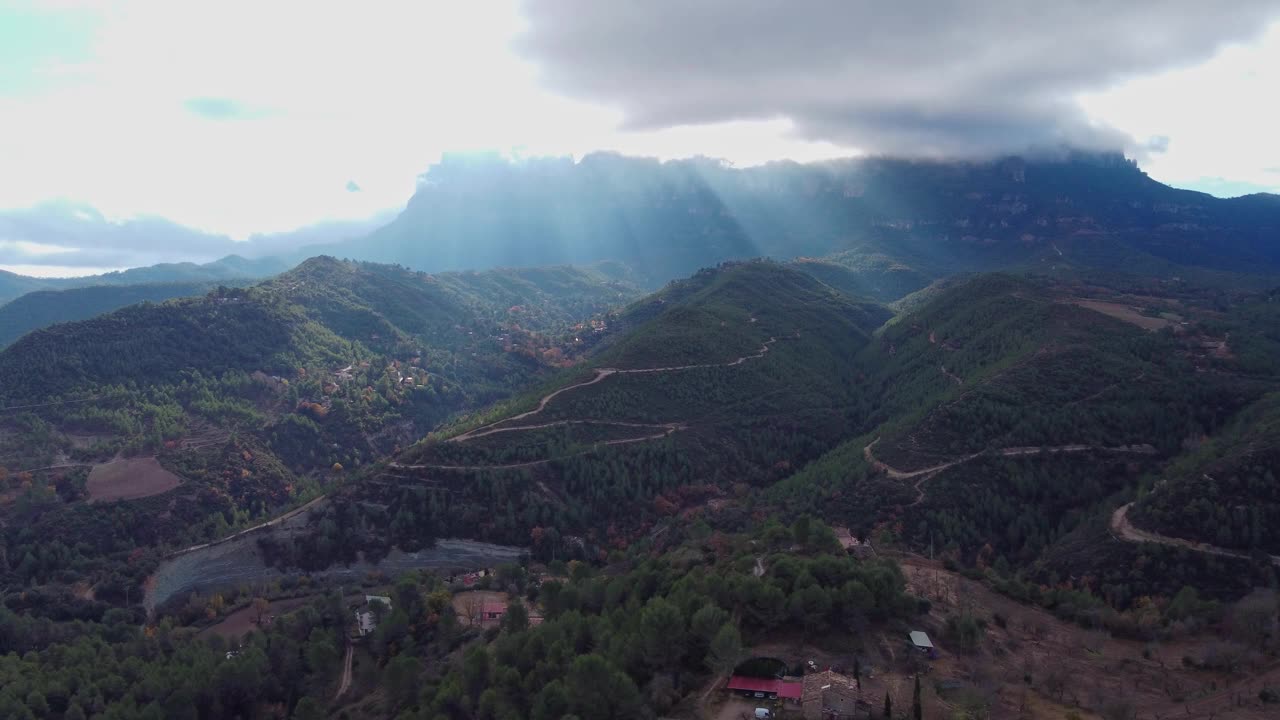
790	690
765	688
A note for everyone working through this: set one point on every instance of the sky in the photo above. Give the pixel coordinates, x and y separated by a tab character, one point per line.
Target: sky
242	118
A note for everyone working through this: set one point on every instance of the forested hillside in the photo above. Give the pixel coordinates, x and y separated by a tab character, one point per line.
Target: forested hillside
43	308
1224	492
999	423
731	378
206	413
1009	417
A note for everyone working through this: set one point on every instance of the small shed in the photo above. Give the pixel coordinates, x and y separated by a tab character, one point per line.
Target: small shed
920	641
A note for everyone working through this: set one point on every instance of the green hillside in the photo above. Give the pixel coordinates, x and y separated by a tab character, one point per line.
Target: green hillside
1009	415
255	398
732	377
1224	492
43	308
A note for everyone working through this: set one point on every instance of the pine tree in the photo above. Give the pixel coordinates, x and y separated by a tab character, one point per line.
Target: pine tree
917	709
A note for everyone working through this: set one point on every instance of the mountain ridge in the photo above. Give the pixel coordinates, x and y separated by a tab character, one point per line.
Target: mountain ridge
931	217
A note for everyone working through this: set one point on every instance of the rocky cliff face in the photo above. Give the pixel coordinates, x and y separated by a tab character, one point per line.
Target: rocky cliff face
668	219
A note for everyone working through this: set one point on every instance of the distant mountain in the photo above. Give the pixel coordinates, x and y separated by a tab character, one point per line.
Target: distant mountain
232	267
43	308
12	285
897	223
70	234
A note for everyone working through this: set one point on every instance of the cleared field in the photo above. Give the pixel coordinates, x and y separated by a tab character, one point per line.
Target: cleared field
239	562
129	479
1123	312
241	622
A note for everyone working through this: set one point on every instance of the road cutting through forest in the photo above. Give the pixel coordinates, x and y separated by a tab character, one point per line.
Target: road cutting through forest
925	473
1123	529
601	373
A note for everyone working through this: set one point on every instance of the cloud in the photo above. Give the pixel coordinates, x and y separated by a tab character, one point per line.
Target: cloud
65	235
216	108
352	186
932	77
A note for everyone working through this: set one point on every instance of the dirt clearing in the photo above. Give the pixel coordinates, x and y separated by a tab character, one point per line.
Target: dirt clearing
1126	313
1072	668
129	479
243	621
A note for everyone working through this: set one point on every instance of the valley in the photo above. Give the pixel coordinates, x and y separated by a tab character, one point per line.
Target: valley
1063	474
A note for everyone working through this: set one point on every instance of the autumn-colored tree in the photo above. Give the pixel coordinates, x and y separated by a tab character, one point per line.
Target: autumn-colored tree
260	606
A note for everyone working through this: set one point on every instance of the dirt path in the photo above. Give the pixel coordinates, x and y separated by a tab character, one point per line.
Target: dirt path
556	423
1123	529
955	378
601	374
925	473
59	466
274	521
346	672
907	474
668	429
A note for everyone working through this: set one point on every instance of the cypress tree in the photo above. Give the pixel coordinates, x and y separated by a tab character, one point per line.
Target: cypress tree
917	709
888	707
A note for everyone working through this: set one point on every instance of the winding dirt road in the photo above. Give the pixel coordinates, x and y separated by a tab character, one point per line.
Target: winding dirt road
274	521
601	374
925	473
1123	529
346	673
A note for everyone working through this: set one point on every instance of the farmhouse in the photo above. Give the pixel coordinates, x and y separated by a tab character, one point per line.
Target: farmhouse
492	612
367	617
831	696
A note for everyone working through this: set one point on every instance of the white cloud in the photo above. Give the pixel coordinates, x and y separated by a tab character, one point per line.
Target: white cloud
56	271
33	249
1220	117
241	117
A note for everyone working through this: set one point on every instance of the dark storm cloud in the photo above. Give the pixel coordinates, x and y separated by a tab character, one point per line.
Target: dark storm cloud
927	77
